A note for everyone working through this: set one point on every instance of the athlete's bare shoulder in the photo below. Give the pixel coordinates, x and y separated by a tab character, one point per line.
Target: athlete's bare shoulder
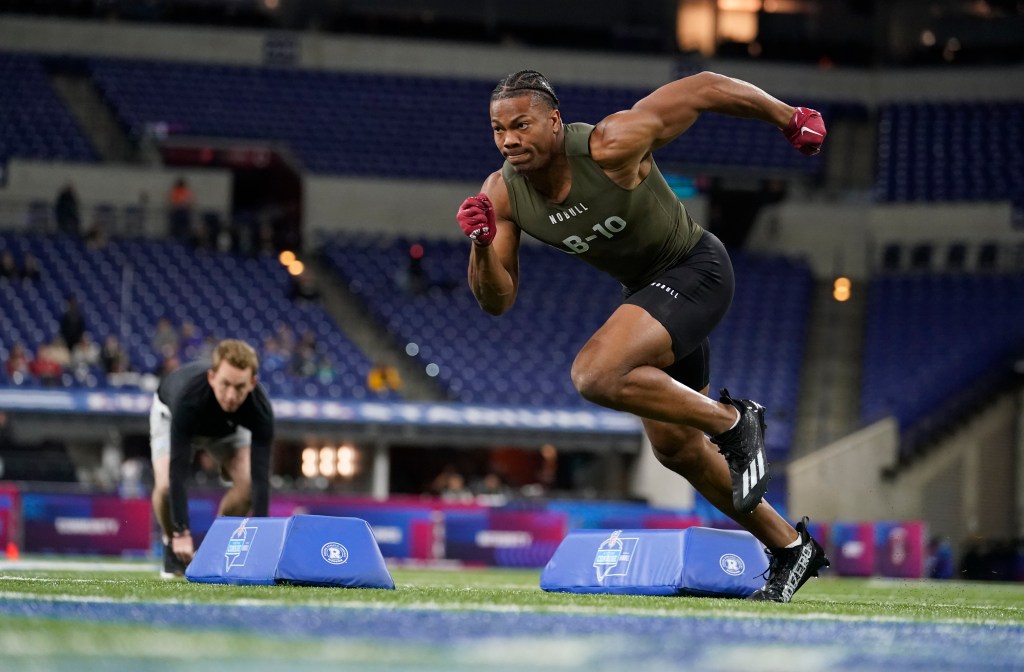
621	143
496	190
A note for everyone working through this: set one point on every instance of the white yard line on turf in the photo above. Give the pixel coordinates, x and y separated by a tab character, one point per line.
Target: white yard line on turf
603	610
34	564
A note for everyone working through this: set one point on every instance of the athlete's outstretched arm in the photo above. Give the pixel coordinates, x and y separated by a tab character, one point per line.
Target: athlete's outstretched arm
670	110
494	256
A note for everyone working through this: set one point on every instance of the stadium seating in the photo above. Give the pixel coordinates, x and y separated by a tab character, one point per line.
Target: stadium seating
524	357
34	123
386	125
950	151
127	286
930	336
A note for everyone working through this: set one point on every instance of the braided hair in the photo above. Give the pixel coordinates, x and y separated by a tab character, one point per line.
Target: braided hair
526	82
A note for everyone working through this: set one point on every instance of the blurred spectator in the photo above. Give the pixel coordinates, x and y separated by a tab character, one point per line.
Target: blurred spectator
972	564
325	372
30	268
180	204
18	364
285	339
96	237
84	356
304	362
940	559
491	490
166	340
8	266
66	211
110	353
272	358
450	485
383	379
170	363
52	359
303	287
192	341
416	281
121	372
72	324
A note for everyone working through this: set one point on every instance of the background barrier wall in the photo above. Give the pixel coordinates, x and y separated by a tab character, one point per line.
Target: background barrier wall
411	529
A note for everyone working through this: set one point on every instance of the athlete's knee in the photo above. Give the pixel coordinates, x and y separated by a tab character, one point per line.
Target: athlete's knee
596	385
595	380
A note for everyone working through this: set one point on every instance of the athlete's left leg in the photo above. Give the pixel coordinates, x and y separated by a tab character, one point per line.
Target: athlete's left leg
621	366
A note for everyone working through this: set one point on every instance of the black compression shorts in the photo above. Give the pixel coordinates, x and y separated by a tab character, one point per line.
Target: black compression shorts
689	299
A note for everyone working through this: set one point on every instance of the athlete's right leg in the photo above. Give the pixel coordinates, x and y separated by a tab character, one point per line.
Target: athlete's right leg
160	455
161	494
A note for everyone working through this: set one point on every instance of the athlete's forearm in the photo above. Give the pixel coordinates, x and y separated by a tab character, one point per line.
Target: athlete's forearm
178	472
737	98
679	103
490	282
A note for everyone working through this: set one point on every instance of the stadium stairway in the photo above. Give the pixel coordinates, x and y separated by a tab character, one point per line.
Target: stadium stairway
848	166
370	336
831	381
97	120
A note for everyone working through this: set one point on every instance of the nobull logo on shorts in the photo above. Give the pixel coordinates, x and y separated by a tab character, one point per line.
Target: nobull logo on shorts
238	545
614	555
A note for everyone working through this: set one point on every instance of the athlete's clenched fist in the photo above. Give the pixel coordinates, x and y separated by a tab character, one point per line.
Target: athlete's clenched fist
806	130
476	218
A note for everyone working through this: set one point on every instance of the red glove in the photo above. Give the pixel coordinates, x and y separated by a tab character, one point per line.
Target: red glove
476	218
806	131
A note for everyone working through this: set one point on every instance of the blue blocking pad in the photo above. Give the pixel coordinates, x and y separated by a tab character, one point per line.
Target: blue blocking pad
302	550
697	561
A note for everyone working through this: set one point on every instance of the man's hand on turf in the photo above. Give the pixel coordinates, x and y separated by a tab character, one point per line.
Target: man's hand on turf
181	544
476	219
806	130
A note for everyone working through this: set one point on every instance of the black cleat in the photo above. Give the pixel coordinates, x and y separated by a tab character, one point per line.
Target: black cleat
789	568
173	567
743	448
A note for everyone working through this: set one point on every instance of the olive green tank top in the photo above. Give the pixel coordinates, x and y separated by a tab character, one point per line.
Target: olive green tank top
631	234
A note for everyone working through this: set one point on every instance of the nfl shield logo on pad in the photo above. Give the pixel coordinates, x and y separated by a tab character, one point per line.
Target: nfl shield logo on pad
614	554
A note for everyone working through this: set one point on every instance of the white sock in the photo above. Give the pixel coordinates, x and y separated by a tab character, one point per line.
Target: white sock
738	416
799	540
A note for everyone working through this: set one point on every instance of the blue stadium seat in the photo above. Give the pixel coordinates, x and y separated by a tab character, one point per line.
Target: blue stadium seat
524	357
215	291
370	124
34	123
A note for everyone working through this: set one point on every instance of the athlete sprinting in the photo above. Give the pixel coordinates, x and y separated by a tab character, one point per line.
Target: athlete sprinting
595	192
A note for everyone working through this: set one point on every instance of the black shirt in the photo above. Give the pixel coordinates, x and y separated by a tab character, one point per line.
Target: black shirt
196	412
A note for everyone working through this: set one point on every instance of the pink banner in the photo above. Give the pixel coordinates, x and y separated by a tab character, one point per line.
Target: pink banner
901	548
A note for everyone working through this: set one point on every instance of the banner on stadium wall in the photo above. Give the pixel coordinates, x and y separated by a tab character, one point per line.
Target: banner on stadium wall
10	515
400	532
853	549
377	413
86	524
901	548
